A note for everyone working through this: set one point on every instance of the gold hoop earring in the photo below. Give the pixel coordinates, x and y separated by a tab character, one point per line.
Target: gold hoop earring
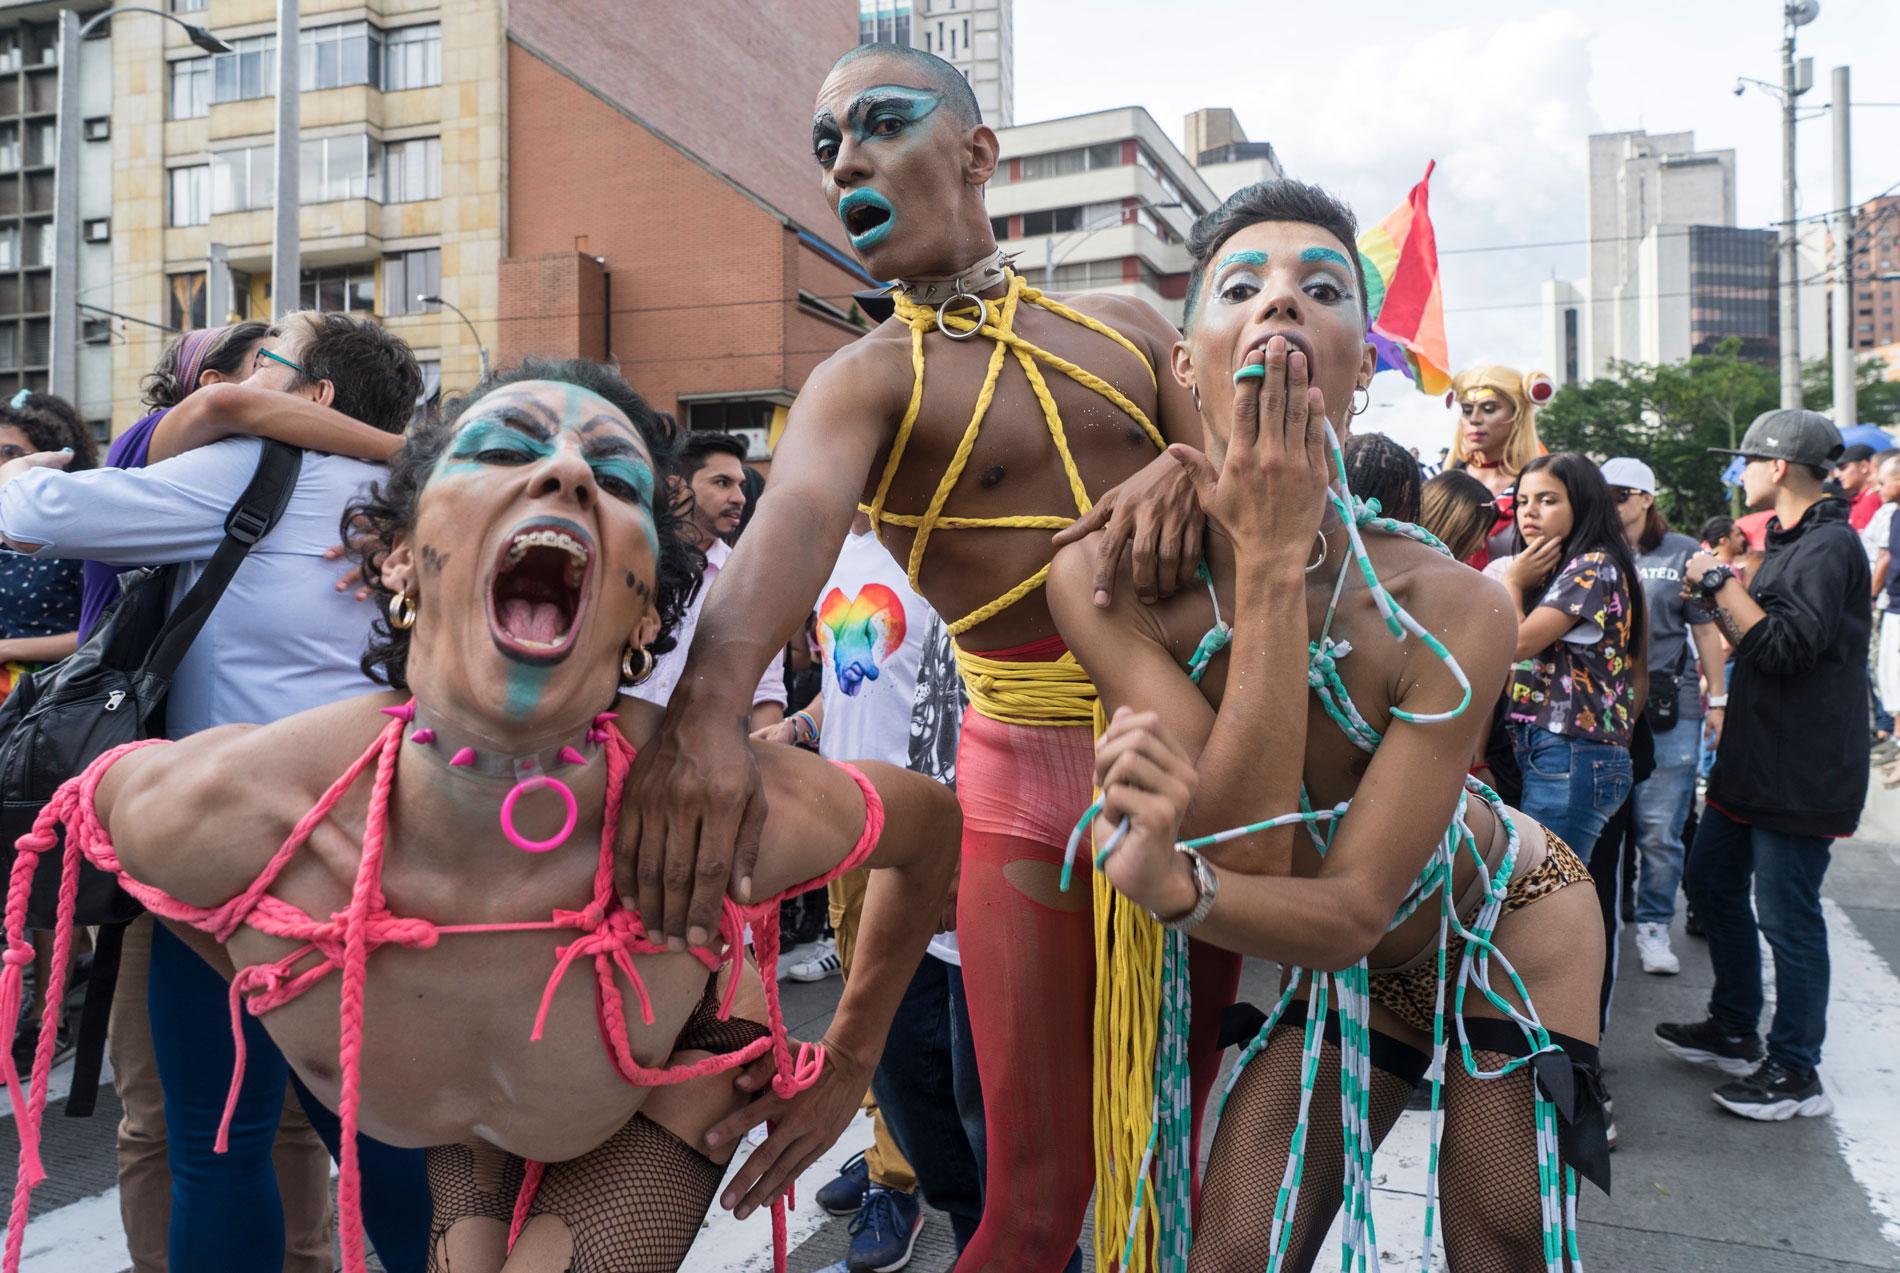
402	612
1359	407
627	675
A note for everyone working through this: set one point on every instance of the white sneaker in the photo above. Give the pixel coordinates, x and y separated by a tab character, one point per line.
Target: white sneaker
790	957
1652	943
822	962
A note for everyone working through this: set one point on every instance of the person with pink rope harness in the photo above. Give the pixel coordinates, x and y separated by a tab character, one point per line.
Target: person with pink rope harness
528	570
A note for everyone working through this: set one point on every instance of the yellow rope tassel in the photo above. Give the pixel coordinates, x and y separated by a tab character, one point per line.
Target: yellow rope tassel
1055	692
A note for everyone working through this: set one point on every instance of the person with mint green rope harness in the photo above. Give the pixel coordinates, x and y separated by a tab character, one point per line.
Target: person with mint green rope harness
1370	908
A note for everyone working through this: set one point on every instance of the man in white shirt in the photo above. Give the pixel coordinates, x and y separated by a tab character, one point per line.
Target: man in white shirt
711	479
1875	537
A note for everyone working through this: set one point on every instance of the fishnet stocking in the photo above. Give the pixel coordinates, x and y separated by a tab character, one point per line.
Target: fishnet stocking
470	1181
1487	1182
1235	1222
635	1204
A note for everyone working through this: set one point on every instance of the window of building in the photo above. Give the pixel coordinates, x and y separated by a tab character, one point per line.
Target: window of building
999	227
96	331
1051	221
39	342
347	167
10	59
188	301
248	71
9	346
9	148
1061	163
9	247
191	88
98	128
407	275
191	195
431	396
38	244
412	57
341	290
242	179
413	170
340	54
189	6
1076	276
98	230
42	144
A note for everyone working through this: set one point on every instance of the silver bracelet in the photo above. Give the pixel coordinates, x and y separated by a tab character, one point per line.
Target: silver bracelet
1206	885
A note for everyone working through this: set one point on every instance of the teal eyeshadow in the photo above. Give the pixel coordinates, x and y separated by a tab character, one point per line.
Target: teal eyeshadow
913	105
1325	254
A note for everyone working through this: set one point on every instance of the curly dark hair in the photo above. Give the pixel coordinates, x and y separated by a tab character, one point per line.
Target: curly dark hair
51	424
371	523
164	385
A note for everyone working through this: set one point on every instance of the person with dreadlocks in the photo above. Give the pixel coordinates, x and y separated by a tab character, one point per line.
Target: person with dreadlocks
976	420
1334	832
528	570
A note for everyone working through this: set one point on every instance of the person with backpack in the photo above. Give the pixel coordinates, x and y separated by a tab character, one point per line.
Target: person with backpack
281	639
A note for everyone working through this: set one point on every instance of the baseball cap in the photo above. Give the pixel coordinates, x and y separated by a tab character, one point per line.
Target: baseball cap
1630	473
1792	434
1855	454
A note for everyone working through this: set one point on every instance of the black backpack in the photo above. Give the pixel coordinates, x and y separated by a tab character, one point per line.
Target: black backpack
112	690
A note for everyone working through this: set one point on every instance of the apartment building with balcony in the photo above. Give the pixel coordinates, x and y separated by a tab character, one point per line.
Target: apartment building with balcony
1099	202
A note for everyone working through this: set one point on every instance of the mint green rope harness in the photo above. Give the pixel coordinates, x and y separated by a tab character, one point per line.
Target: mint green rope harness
1168	1147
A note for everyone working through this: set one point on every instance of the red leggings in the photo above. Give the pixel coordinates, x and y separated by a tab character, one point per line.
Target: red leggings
1029	971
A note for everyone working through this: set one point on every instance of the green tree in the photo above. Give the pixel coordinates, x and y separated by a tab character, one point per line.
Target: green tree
1668	416
1876	399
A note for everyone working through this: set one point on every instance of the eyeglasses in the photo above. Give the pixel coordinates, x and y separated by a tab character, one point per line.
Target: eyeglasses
1624	494
262	354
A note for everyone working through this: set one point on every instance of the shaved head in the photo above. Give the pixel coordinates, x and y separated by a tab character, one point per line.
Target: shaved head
931	70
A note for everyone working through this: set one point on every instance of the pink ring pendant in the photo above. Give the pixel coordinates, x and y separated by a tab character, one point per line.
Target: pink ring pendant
538	782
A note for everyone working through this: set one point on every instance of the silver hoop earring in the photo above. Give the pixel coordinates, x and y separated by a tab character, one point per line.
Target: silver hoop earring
1359	406
1194	391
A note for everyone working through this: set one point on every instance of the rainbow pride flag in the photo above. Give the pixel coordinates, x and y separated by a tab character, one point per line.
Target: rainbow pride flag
1405	311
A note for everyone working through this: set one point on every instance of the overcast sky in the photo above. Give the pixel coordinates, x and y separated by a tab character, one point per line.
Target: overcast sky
1358	95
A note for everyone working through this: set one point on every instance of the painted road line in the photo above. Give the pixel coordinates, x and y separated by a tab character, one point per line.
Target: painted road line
1863	1036
726	1245
82	1235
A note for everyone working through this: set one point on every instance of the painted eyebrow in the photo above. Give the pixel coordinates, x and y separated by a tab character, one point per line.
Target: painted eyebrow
1325	254
611	448
871	97
517	419
823	120
1241	258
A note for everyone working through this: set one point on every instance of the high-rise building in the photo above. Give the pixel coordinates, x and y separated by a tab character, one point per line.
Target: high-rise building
1216	144
29	104
571	182
975	36
1877	273
1668	272
1099	202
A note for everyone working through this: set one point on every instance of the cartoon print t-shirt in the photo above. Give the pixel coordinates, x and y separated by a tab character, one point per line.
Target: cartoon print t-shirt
1582	685
870	631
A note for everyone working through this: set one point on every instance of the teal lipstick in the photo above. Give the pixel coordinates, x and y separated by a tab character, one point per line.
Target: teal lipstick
863	197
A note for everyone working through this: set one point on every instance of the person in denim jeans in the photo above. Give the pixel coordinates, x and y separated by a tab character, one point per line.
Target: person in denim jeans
1572	701
1681	639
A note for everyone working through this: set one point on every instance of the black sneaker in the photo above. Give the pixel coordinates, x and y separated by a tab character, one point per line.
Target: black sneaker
1693	926
1774	1093
1706	1043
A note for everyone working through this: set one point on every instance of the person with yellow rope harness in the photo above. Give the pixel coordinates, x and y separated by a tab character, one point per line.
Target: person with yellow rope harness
1359	857
982	417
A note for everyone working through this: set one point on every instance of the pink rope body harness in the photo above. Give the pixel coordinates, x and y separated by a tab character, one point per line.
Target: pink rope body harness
342	943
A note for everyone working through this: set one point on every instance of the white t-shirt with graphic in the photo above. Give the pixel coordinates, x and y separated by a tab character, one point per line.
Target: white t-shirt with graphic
871	634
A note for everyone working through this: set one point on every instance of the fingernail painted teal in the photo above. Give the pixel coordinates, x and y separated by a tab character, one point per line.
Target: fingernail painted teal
1252	371
865	197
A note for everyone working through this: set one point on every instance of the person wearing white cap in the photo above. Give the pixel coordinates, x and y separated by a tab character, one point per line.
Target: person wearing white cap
1681	639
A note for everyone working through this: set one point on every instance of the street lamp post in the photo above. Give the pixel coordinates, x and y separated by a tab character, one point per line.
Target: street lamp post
480	349
65	298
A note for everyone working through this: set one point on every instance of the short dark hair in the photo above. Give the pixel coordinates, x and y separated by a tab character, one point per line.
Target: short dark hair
1284	200
1716	529
373	373
164	386
1379	468
372	522
700	445
51	424
941	75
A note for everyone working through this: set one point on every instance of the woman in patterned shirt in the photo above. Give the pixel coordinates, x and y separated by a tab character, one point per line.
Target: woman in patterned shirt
39	600
1574	697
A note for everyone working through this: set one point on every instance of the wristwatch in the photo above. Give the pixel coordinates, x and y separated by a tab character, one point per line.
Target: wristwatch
1712	580
1206	885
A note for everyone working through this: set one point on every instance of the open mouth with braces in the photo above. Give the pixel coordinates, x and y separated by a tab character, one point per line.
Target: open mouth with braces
538	591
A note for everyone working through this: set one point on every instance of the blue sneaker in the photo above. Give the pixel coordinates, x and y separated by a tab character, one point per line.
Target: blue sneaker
884	1231
844	1193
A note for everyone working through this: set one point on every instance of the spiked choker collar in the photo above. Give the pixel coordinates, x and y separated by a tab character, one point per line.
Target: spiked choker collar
971	281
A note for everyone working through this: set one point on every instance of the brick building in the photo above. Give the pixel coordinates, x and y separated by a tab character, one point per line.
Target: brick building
633	183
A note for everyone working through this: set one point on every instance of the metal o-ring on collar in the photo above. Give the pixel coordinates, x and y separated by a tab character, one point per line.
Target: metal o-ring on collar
982	312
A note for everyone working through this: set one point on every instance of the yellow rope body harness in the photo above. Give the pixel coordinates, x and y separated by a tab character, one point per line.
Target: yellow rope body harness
1039	693
1128	943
